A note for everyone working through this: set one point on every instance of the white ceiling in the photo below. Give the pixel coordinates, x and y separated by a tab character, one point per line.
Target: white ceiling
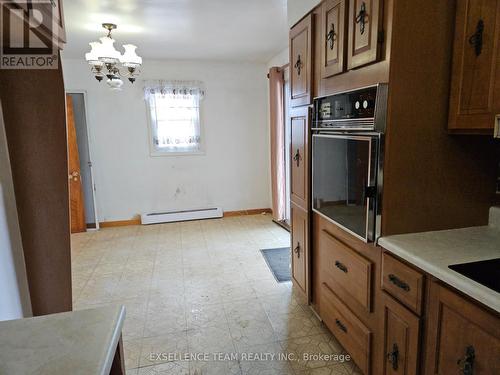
230	30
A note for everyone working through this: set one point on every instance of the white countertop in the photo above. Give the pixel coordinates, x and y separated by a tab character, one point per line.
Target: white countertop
78	343
433	252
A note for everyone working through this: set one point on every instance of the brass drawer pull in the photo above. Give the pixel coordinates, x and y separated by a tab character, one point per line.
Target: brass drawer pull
341	266
398	282
341	325
466	364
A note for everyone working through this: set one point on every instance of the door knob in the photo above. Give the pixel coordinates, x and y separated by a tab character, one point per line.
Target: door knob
74	176
297	250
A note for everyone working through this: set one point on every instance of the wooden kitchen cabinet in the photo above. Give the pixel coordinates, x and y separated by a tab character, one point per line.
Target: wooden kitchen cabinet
301	69
462	338
333	35
475	82
365	34
299	156
300	249
401	337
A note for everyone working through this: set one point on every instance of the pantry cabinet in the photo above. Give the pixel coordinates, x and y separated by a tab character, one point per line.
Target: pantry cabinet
333	32
365	20
462	338
475	83
301	50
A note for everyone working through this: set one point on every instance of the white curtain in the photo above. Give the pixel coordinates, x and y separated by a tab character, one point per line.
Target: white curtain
175	114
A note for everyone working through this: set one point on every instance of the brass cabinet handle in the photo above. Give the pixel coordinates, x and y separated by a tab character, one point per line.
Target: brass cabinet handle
476	39
298	65
393	357
331	36
399	283
361	18
341	266
341	325
297	250
297	158
466	364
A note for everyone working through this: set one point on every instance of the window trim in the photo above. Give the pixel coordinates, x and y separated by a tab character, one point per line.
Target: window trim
153	152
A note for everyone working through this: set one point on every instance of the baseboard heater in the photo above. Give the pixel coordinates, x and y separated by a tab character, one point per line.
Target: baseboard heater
181	215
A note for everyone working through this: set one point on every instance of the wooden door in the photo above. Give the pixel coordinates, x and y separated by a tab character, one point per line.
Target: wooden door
301	62
401	335
475	85
365	20
300	249
299	157
76	203
461	336
333	17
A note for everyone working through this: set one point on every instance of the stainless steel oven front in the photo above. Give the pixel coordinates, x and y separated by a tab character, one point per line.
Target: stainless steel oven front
346	180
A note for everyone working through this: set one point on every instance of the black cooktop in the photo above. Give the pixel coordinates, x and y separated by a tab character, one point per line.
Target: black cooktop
485	272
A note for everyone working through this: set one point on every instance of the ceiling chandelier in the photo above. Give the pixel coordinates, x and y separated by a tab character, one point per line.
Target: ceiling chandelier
106	61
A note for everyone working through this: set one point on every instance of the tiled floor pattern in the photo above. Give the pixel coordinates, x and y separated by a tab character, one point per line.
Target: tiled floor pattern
201	287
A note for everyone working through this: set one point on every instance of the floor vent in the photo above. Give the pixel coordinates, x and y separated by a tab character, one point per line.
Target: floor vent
181	215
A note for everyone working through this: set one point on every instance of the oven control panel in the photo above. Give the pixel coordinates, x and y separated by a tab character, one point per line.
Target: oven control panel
358	104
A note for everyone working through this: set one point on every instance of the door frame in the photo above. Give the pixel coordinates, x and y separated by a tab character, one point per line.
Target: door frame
90	146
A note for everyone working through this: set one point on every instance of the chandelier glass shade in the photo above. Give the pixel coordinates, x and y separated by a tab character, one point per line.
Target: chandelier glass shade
105	60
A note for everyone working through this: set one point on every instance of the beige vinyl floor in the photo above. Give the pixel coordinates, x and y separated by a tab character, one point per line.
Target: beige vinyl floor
202	290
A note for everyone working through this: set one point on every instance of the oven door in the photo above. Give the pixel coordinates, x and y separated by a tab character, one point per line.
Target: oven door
344	181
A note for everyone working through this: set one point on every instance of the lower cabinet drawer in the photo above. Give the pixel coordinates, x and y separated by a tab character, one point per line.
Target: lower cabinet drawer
343	266
402	282
354	336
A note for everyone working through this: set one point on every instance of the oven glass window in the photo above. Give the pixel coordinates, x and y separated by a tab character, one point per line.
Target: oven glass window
340	177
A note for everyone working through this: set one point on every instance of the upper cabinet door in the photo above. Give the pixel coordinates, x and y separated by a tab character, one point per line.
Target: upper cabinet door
365	18
333	17
474	97
301	62
299	157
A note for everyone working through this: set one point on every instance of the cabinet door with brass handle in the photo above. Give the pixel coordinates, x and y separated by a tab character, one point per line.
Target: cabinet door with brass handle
299	155
300	249
333	24
365	34
301	62
401	331
475	76
462	337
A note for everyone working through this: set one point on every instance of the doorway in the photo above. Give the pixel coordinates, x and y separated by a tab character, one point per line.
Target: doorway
82	203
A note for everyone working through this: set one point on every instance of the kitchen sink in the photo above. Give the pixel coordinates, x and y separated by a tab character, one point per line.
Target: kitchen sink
485	272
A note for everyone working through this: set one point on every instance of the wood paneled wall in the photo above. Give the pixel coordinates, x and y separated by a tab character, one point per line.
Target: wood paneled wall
33	104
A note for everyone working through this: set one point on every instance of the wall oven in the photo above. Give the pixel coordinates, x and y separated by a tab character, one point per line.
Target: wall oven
347	159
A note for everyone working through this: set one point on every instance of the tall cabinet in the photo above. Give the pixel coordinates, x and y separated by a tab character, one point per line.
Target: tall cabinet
301	77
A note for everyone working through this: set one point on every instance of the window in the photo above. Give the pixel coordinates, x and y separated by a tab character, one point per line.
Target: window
174	117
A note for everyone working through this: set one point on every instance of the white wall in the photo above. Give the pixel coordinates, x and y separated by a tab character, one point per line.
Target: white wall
280	59
297	9
234	172
14	293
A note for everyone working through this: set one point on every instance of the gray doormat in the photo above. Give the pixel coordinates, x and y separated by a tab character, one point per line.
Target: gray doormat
279	262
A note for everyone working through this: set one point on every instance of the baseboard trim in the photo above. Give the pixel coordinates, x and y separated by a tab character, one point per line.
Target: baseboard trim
137	221
254	211
120	223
